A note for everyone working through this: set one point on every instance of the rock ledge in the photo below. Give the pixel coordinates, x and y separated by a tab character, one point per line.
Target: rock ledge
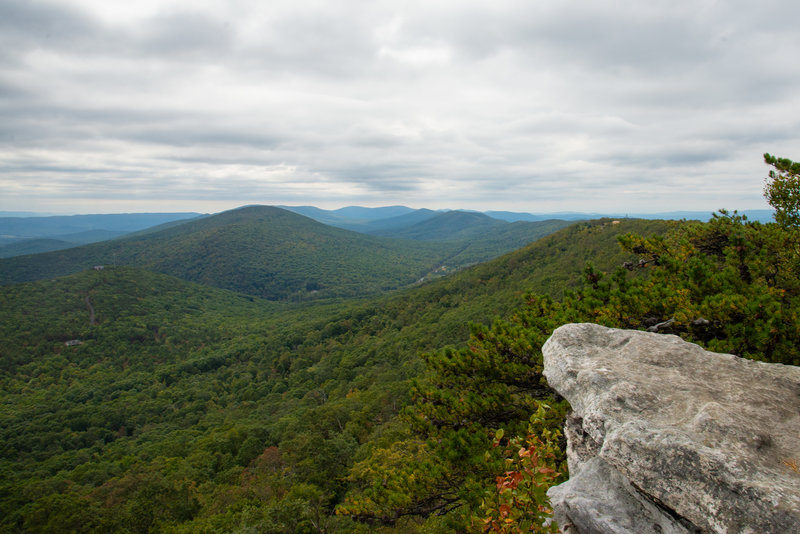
666	437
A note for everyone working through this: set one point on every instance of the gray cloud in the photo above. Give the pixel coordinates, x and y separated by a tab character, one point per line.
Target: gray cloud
515	105
29	25
183	35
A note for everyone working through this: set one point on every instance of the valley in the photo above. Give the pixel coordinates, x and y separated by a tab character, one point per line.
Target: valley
202	382
207	381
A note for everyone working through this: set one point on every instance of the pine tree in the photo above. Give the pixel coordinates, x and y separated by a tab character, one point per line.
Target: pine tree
782	190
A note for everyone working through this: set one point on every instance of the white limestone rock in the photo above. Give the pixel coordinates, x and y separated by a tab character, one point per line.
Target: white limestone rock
683	440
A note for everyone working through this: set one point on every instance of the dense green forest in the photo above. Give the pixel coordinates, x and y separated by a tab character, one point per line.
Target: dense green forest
133	401
185	374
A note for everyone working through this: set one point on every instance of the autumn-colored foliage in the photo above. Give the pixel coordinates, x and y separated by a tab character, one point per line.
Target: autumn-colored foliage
518	501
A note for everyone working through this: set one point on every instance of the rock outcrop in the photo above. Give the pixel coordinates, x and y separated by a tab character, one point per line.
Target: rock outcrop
666	437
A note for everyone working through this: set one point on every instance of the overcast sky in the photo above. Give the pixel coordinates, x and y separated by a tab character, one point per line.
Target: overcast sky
534	105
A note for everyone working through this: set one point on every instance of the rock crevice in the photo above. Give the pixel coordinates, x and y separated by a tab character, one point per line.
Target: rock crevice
667	437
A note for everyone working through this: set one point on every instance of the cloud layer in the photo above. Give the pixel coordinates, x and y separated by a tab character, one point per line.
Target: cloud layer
540	106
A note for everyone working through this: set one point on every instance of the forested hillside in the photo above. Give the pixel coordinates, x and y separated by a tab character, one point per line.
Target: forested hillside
481	442
275	254
193	409
259	250
44	244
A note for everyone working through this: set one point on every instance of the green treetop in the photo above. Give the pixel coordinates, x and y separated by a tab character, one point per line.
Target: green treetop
782	190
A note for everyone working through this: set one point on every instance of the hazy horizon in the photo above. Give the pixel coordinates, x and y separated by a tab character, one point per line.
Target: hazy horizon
24	214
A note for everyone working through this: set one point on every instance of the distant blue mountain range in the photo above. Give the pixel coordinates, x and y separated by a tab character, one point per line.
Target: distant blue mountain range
358	218
32	234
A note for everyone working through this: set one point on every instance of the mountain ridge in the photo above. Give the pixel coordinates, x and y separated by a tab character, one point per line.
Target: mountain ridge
259	250
277	254
445	226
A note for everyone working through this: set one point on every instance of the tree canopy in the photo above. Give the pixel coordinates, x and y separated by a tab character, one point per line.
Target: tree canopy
782	190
